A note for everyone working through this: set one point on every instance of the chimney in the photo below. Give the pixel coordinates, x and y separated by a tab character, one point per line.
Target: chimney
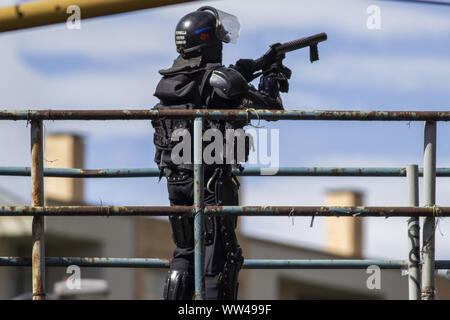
344	234
64	150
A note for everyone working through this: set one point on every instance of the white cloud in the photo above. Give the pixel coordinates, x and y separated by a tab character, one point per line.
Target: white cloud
22	87
6	3
398	19
116	39
404	73
108	38
152	30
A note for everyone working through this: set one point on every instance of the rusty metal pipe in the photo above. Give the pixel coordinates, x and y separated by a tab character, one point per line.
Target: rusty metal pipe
41	13
37	200
255	211
338	115
247	171
87	262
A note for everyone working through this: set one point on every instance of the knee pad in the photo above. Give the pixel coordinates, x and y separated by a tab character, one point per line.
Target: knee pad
179	286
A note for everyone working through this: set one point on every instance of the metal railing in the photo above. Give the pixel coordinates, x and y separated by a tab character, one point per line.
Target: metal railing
421	271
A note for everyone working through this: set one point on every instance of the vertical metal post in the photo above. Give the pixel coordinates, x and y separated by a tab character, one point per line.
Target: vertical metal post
37	199
412	176
429	186
199	243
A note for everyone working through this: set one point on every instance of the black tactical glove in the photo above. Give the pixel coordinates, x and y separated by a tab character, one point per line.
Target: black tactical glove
275	80
246	67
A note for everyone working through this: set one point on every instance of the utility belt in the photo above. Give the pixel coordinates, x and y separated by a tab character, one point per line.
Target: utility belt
183	174
177	175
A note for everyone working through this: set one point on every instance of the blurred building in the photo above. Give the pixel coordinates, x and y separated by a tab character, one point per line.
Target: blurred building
151	238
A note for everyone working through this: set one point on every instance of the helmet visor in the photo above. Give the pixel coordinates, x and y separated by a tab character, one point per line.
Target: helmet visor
231	27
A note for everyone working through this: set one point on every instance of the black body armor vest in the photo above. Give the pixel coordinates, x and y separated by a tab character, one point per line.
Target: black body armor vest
185	86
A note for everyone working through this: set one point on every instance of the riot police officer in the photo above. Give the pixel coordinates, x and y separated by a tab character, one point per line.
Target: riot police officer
197	79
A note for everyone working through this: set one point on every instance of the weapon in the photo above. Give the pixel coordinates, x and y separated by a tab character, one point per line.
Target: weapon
277	51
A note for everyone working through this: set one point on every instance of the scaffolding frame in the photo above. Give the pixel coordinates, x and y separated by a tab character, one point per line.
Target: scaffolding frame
421	271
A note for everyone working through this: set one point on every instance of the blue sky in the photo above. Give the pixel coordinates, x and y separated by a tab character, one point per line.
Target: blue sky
112	63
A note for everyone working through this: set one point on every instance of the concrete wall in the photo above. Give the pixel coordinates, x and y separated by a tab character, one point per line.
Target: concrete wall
267	284
8	275
153	240
102	237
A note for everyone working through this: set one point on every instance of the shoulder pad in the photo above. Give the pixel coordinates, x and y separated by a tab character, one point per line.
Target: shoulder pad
180	64
230	84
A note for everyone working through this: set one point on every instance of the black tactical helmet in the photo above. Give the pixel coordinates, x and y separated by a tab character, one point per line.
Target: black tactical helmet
204	28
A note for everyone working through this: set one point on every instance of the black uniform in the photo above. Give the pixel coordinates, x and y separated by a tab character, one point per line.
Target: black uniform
202	82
